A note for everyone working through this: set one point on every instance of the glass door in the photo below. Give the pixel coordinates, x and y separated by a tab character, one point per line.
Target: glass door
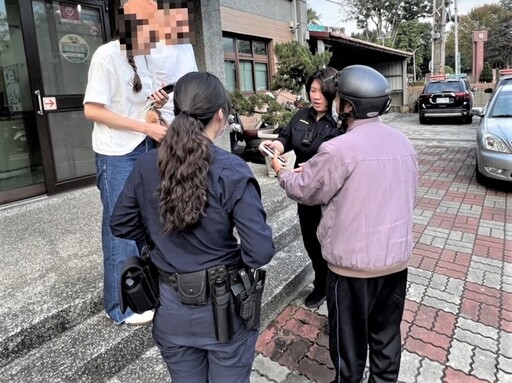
66	34
21	164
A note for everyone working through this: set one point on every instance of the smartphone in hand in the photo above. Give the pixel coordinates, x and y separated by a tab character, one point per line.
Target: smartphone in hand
168	88
270	152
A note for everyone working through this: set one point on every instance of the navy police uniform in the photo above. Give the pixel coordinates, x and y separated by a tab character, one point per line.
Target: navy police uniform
304	135
185	334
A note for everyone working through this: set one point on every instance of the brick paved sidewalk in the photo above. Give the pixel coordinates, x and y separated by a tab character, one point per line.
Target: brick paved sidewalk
457	325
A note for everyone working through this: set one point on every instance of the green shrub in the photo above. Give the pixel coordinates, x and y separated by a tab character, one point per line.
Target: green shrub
486	75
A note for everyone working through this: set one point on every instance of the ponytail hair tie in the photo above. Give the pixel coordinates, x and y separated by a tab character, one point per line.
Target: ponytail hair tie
187	114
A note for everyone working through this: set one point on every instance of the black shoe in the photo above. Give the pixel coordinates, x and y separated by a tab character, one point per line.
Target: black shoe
315	298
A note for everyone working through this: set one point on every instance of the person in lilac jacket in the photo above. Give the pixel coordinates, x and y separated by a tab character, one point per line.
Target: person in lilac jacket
366	181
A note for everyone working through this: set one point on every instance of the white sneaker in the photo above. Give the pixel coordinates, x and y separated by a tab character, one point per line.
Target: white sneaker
140	319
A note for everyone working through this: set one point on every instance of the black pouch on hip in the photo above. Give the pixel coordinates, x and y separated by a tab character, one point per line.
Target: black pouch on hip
192	288
139	286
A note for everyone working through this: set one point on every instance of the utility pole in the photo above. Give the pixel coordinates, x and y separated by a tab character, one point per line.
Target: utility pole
456	26
438	37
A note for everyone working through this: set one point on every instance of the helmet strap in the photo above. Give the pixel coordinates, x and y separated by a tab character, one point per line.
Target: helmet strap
386	107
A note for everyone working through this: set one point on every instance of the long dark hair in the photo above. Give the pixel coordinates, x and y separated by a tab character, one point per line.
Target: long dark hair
327	90
184	154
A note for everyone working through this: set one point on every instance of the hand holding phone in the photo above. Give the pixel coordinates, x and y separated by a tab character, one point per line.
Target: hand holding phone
168	88
270	152
157	100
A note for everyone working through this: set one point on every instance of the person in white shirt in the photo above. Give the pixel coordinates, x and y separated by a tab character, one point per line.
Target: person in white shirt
121	83
173	56
171	62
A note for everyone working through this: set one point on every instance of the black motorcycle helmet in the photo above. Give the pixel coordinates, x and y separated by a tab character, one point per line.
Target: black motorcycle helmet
365	89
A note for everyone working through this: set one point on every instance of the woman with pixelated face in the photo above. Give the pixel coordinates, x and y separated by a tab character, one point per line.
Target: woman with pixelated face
120	83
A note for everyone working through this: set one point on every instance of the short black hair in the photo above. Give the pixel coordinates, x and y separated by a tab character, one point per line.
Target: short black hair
328	91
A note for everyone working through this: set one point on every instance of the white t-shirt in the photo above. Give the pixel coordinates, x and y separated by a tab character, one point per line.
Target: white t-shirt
110	83
170	63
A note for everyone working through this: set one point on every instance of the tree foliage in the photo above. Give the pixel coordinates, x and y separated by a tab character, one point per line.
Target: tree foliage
507	4
385	16
414	36
272	112
396	24
295	63
313	16
486	75
494	19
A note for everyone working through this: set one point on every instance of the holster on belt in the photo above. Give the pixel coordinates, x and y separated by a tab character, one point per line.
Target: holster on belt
221	297
249	299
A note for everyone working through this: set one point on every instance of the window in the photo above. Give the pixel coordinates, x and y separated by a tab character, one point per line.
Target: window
229	69
261	71
246	76
246	64
229	45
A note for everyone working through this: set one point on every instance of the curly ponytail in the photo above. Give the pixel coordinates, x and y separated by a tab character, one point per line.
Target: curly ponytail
185	152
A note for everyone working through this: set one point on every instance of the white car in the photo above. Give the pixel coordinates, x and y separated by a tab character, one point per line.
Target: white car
494	136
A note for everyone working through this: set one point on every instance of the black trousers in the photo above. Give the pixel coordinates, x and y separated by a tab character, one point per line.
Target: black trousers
365	313
309	219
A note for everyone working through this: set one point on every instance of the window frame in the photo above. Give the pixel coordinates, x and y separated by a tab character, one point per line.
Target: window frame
253	58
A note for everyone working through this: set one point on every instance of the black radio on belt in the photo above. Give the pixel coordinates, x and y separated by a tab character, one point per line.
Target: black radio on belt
307	140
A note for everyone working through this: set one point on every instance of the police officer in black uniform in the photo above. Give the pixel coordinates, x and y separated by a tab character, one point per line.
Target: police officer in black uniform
304	134
187	196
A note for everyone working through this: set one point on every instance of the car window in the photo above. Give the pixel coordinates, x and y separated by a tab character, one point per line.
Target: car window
503	81
448	86
502	105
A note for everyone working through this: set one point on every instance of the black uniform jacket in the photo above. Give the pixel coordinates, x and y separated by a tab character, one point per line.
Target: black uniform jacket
234	200
304	134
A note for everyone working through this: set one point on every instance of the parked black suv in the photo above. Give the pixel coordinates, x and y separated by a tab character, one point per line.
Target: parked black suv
446	96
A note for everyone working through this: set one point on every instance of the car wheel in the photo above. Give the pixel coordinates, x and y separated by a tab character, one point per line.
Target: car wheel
423	120
467	119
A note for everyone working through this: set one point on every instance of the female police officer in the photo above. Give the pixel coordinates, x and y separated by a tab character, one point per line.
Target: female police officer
188	195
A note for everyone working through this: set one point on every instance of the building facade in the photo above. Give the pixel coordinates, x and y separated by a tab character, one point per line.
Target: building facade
45	50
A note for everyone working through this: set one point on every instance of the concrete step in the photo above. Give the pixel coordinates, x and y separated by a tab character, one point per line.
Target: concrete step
72	292
89	352
95	350
285	225
51	280
281	210
51	276
288	273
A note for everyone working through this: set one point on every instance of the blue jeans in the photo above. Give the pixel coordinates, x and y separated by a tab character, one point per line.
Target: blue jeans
111	175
